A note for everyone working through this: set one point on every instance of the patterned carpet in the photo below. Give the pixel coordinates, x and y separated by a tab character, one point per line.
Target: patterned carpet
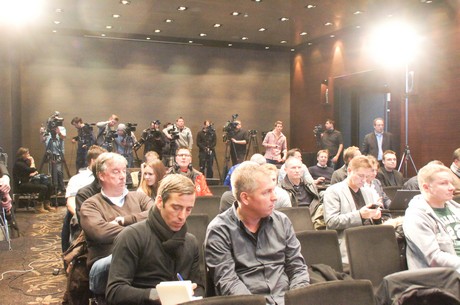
26	272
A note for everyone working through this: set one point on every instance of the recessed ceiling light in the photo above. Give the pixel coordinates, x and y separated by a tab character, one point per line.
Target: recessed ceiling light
310	43
244	38
230	45
236	13
54	31
328	24
125	2
59	10
357	12
292	50
283	41
56	22
332	36
284	19
203	34
266	48
108	27
310	6
217	25
257	1
116	16
246	15
148	38
182	8
303	33
168	20
157	31
262	29
358	26
103	35
190	41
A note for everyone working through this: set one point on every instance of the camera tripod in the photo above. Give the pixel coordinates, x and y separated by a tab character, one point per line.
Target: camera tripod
229	149
253	142
52	160
211	153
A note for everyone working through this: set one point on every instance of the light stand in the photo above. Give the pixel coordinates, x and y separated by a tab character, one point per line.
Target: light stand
406	157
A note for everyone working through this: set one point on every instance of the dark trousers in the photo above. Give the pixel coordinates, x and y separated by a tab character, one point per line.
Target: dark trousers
80	162
44	190
206	162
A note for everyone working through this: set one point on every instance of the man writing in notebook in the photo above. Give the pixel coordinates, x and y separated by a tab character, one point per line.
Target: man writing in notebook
157	249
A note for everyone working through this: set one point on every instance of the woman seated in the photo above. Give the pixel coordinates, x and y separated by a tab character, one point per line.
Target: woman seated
27	180
153	171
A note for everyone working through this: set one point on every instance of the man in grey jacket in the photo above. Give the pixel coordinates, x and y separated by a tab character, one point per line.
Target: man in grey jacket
432	220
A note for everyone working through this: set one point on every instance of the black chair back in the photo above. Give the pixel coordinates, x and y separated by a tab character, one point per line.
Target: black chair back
208	205
218	190
300	218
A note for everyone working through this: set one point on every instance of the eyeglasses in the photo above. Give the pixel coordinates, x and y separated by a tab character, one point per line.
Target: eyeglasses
184	155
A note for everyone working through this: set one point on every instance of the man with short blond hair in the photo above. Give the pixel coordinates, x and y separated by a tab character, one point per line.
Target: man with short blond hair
341	173
455	168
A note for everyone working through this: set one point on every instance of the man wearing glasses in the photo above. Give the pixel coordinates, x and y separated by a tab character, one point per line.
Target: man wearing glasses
183	166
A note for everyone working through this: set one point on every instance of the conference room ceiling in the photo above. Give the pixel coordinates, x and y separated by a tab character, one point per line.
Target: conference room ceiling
269	24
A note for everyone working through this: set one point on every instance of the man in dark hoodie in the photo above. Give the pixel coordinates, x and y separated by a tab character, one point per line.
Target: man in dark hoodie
157	249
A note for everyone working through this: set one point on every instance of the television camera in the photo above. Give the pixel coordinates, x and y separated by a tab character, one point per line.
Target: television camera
174	133
318	131
230	128
52	123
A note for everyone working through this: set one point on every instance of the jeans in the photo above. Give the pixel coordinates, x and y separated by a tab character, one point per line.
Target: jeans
99	275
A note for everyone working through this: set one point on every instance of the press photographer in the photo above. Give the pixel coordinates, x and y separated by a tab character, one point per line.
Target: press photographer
125	141
53	136
206	142
179	133
237	138
152	138
84	140
106	132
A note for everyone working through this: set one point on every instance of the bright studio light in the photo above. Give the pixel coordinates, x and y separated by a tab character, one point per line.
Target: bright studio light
19	12
394	43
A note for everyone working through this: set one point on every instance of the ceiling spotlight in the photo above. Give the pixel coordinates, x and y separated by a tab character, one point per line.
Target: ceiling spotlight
284	19
310	6
56	22
182	8
283	41
236	13
190	41
230	45
244	38
217	25
262	29
303	33
125	2
332	36
266	48
358	26
328	24
157	31
148	38
310	43
54	31
246	15
257	1
59	10
168	20
292	50
203	34
357	12
103	35
108	27
116	16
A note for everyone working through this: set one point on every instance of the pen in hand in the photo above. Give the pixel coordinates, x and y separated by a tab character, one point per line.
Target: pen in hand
179	277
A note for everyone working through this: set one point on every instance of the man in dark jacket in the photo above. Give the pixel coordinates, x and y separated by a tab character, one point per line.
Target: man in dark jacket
158	249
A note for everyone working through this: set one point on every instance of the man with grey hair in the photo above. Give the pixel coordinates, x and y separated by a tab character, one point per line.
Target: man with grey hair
104	215
147	252
252	248
432	220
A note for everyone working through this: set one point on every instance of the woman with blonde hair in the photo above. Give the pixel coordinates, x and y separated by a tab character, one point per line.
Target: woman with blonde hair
153	172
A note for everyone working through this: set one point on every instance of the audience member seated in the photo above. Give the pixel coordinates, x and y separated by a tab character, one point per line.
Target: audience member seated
84	177
155	250
153	171
375	186
321	171
149	156
296	153
250	248
5	188
347	204
282	197
341	173
388	175
258	158
104	215
431	221
455	168
301	192
27	180
183	166
412	183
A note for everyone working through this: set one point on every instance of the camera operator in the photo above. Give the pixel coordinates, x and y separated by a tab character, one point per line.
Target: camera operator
179	133
239	139
125	141
84	139
153	139
105	132
206	142
5	187
53	137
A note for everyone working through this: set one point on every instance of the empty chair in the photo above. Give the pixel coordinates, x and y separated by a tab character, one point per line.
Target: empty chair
218	190
373	252
300	218
230	300
321	247
353	292
208	205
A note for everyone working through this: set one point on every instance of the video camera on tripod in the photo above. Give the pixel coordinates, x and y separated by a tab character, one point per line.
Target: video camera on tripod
174	133
230	128
52	123
149	134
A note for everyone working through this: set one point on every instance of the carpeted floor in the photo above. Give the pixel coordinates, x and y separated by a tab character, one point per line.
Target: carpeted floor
26	271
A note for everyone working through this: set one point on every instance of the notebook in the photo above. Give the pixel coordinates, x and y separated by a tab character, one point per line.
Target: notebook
175	292
402	198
